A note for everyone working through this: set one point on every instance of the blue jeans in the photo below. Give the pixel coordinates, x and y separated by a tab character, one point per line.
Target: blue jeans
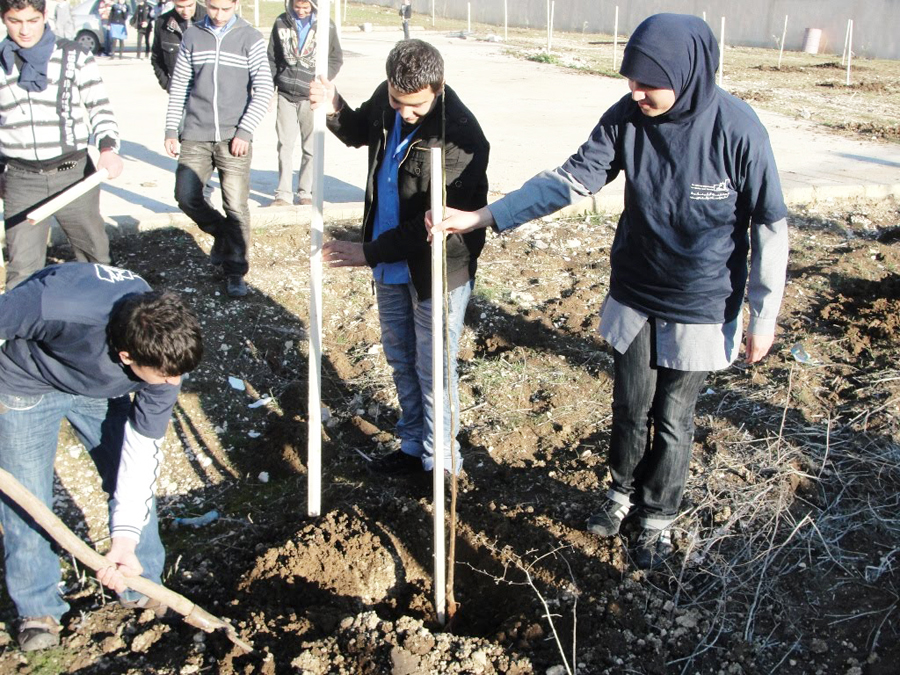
406	338
29	431
650	471
231	231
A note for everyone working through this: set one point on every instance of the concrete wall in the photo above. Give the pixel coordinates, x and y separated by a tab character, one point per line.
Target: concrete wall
753	23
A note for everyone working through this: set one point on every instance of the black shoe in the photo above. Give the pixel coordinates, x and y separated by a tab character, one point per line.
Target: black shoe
236	286
36	633
398	463
653	548
606	523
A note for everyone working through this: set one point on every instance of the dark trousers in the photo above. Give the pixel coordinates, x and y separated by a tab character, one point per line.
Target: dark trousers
652	431
80	220
231	231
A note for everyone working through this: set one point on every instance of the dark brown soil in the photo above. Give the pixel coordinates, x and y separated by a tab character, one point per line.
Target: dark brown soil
787	546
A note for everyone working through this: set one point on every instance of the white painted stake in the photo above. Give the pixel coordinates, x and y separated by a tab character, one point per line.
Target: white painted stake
505	20
432	11
615	37
316	236
437	382
849	51
722	54
469	15
548	26
338	22
67	196
704	16
552	13
256	13
783	35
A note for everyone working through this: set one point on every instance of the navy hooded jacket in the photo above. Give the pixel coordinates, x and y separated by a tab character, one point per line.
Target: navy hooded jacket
696	176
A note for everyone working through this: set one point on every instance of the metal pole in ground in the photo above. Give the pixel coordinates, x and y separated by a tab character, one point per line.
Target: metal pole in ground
437	382
316	237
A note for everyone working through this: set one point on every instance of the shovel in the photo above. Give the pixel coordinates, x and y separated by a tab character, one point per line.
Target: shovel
193	615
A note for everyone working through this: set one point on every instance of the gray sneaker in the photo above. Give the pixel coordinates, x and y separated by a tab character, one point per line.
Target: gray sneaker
653	548
36	633
606	522
236	286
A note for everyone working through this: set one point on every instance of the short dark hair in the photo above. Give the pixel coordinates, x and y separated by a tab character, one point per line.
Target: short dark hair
158	330
413	65
9	5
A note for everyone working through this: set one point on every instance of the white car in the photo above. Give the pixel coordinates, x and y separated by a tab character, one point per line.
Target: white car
86	27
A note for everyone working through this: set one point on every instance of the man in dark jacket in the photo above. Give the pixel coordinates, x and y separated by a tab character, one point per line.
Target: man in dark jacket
400	124
167	34
143	23
702	199
292	60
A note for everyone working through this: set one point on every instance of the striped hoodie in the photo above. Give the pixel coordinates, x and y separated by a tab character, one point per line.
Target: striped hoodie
221	84
42	126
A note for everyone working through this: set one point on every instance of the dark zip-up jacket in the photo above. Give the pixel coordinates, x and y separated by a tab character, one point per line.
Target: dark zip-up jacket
168	31
293	66
466	153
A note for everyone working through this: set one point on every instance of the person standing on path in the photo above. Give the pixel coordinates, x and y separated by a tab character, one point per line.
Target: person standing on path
53	102
168	31
143	24
406	116
118	30
221	89
405	16
702	199
292	60
79	341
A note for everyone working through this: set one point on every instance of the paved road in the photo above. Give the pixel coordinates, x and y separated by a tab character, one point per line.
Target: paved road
535	115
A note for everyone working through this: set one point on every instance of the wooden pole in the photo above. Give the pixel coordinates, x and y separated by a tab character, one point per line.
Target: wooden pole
552	16
722	54
469	16
783	36
62	535
506	19
615	37
256	13
849	51
846	38
437	381
338	20
432	11
67	196
548	26
316	237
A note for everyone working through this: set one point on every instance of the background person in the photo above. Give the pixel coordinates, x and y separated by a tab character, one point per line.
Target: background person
400	123
702	194
54	102
292	60
220	89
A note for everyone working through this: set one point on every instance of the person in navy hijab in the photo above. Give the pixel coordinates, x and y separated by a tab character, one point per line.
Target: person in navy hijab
704	215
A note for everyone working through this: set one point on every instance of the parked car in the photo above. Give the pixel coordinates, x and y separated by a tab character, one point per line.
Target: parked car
87	29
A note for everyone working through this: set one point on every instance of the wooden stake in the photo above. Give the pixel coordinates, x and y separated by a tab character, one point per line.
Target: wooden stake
615	37
256	13
67	196
316	237
505	20
783	36
437	382
548	26
722	54
849	50
432	11
552	13
469	16
338	20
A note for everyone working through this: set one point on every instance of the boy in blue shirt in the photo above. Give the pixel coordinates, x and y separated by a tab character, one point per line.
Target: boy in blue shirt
400	124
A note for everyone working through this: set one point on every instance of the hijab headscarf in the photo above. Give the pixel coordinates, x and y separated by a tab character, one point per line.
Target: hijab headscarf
678	52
